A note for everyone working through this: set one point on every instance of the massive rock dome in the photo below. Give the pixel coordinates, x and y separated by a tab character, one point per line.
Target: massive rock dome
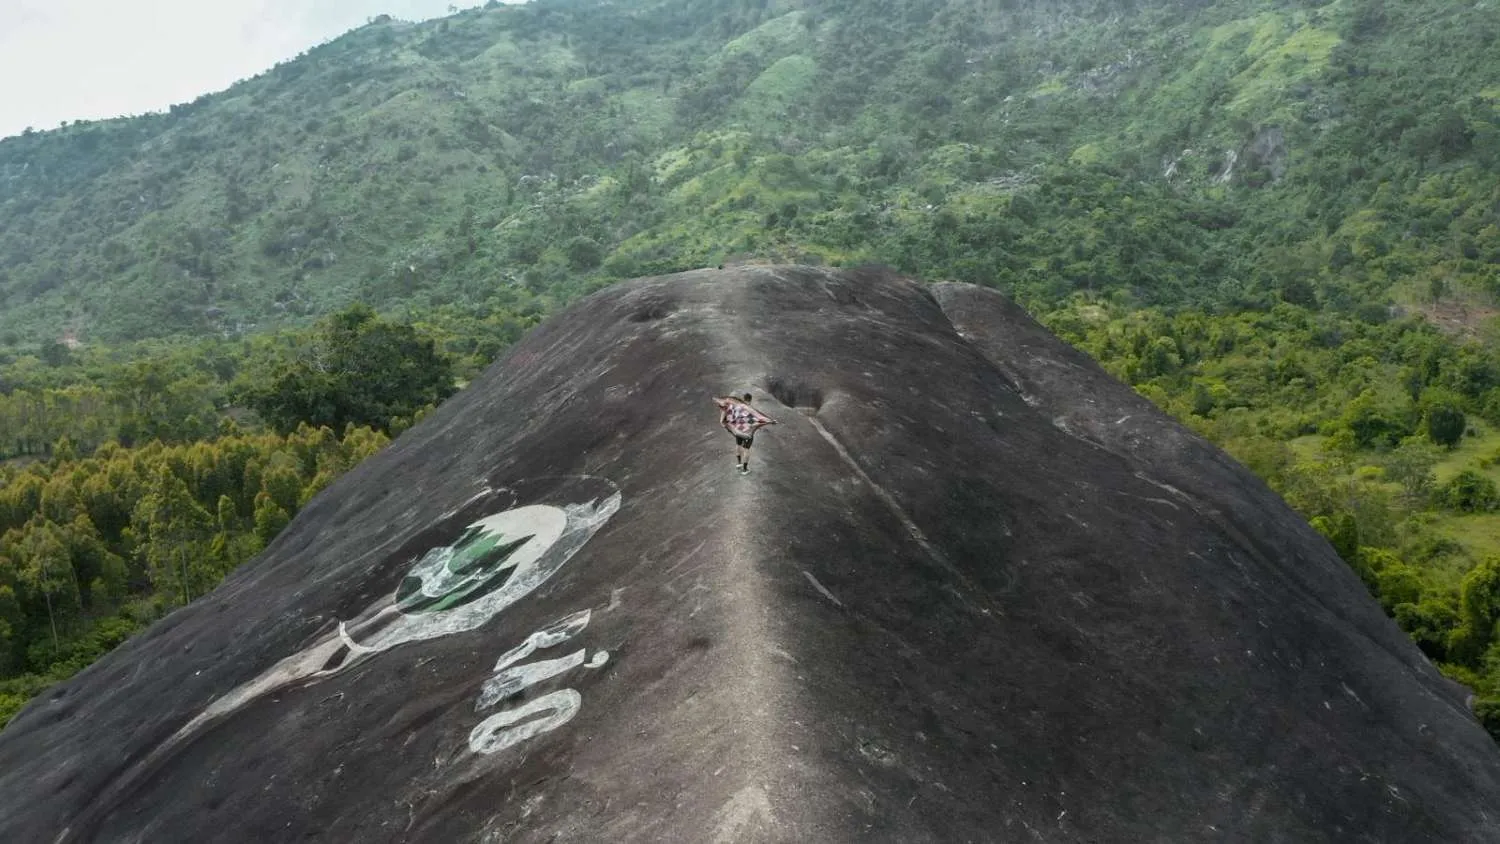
972	589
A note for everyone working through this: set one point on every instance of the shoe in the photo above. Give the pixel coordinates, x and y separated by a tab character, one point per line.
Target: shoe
744	468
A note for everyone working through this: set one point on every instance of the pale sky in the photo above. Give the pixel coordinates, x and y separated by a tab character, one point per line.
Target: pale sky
90	59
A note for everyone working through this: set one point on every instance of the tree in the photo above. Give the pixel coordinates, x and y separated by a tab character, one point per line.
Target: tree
157	402
1376	421
1203	399
45	575
358	369
64	451
1264	456
1398	583
1366	20
1487	710
1451	134
1478	610
12	624
1342	532
226	517
584	254
1429	623
94	565
1410	465
1469	492
1490	406
173	529
284	485
54	353
270	518
1445	424
1298	291
1437	287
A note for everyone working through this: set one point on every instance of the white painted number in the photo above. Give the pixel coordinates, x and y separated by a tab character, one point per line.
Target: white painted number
511	726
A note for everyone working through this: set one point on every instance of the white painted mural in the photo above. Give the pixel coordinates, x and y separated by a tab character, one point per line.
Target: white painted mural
495	562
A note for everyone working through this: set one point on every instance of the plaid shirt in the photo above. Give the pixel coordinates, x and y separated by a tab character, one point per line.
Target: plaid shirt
741	419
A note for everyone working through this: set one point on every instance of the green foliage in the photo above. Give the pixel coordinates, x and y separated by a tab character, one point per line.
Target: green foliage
1479	610
1410	465
1487	710
270	517
93	548
584	254
171	530
1342	532
356	370
1429	624
1375	421
1397	583
1468	492
1445	424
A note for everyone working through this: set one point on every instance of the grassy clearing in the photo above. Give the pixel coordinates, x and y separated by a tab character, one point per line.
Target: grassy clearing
1300	57
648	110
1479	534
769	36
783	83
1088	154
1470	451
1307	448
1053	86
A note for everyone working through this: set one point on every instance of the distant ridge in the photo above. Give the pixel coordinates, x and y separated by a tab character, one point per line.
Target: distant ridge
1224	154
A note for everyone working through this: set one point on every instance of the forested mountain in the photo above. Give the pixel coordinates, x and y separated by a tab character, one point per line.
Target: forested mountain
1216	153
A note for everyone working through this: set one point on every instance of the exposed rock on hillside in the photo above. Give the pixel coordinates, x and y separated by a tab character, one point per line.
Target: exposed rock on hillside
973	589
1268	150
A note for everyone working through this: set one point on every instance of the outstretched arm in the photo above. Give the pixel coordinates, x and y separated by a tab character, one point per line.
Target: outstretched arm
723	404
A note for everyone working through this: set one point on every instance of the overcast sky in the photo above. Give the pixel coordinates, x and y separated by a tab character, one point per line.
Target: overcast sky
88	59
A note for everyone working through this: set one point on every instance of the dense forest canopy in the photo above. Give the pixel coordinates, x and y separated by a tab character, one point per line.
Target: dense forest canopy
1278	219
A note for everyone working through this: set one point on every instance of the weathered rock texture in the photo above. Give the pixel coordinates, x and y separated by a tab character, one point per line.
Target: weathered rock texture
973	589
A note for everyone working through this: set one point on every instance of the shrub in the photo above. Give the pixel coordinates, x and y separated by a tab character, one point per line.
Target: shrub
1375	421
1469	492
1445	424
1428	623
584	254
1487	710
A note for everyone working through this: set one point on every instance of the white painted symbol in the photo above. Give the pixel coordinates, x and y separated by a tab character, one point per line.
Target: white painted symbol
495	733
496	562
510	727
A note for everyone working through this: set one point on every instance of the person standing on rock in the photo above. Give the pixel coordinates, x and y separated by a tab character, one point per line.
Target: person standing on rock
741	421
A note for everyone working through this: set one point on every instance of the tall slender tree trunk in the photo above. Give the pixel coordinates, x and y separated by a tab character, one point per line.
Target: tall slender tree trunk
51	619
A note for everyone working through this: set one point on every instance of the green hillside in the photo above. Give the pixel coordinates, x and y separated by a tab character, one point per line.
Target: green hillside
1178	152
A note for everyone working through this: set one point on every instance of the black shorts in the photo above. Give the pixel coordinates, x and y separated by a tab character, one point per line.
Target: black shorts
743	442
